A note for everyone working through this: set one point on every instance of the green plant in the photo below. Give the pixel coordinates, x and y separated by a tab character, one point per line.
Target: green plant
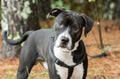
59	3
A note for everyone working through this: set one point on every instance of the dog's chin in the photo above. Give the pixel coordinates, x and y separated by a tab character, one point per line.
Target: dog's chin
64	47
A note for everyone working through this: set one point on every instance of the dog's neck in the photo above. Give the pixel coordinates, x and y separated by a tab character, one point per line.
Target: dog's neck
66	62
66	55
66	59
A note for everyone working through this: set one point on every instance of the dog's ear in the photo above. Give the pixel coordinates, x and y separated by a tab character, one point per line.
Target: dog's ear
56	11
88	23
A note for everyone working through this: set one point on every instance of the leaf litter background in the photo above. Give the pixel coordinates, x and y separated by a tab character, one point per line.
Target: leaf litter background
100	68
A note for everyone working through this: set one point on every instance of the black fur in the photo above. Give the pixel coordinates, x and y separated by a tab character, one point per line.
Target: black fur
39	44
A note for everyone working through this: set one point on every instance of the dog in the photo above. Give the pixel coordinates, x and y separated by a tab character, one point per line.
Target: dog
60	49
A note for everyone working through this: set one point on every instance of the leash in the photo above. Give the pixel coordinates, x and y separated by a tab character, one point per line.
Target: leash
59	62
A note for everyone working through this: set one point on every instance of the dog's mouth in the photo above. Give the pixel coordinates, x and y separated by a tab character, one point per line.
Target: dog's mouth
64	46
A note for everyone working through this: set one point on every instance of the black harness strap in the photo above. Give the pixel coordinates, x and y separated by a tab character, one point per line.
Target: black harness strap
70	71
70	68
61	63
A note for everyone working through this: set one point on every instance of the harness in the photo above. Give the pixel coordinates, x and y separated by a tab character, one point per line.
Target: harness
61	63
70	68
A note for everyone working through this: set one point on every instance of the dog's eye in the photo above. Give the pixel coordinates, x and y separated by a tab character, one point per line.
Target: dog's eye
75	30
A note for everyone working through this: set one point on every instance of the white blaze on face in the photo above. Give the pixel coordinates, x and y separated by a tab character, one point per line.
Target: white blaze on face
64	54
64	34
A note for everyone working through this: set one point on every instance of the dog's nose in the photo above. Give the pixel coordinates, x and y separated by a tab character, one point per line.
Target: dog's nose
65	40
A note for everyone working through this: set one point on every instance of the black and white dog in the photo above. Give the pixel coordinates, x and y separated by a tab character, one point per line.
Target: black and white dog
60	49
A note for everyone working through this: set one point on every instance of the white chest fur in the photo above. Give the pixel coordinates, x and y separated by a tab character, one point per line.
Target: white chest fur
64	55
77	72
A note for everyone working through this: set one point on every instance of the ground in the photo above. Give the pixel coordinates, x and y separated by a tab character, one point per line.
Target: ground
99	68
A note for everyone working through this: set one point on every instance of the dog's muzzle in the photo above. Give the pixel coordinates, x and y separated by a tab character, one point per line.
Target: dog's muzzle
64	42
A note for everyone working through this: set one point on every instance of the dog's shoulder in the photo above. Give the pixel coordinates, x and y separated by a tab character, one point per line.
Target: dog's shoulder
79	53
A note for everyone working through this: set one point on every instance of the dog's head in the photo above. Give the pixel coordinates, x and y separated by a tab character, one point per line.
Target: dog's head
68	27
